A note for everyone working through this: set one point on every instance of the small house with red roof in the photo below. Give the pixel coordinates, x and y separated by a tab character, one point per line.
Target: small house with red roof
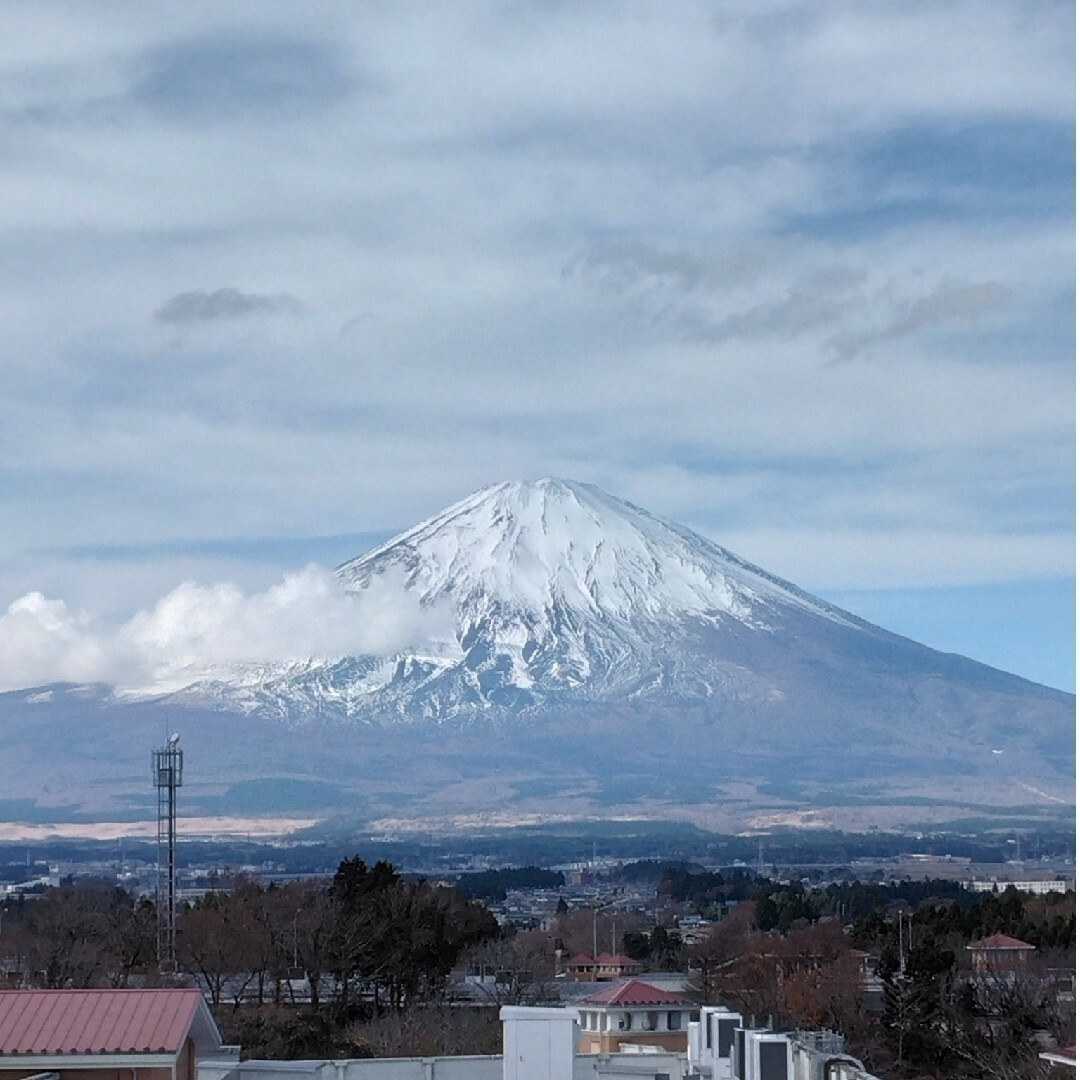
156	1034
633	1012
1000	953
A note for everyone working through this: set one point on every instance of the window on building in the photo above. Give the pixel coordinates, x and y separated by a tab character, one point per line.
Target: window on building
674	1021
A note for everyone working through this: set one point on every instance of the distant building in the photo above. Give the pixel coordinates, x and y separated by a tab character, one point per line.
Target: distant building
1040	888
603	968
633	1013
1000	953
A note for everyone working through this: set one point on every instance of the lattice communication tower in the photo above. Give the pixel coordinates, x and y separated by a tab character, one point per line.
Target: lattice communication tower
168	776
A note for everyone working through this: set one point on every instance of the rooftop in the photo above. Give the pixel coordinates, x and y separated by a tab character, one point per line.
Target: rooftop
58	1022
1000	941
635	992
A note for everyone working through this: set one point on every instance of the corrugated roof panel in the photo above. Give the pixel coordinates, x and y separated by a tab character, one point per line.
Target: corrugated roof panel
112	1022
41	1033
60	1022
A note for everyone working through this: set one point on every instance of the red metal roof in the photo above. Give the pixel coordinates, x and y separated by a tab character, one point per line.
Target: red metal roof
1000	941
635	992
59	1022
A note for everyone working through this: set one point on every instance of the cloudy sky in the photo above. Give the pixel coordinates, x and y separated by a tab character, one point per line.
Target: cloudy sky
281	279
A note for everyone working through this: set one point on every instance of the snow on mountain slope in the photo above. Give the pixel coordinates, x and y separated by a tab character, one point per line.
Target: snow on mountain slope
560	595
556	544
558	586
564	600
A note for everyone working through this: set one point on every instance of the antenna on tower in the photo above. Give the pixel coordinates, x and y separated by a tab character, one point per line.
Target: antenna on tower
168	776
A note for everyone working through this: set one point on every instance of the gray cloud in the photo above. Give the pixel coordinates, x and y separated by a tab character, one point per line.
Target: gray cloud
212	77
199	306
950	301
776	290
959	300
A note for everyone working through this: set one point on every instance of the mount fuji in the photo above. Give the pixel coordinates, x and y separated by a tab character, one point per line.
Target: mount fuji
558	596
583	656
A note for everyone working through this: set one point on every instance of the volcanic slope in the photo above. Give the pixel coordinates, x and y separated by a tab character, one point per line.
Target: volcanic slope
593	655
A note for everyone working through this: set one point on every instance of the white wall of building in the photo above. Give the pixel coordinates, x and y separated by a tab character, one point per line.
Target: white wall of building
487	1067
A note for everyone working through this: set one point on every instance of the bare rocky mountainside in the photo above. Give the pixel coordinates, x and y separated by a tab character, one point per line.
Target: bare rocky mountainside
582	658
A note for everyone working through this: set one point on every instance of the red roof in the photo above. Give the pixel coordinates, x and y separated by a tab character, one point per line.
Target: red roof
59	1022
1000	941
635	992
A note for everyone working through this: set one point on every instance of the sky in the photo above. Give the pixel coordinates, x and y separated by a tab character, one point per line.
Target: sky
281	280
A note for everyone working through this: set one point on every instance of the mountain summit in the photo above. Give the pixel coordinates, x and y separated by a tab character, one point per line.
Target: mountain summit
558	546
556	586
587	654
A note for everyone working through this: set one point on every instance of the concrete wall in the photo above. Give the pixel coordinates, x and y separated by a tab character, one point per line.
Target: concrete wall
590	1067
629	1066
416	1068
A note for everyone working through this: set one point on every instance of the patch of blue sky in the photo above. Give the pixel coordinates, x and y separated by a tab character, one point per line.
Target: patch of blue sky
1037	641
932	172
1026	156
1042	332
845	221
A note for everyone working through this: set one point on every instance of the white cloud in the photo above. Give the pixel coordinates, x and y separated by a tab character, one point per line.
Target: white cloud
196	629
41	640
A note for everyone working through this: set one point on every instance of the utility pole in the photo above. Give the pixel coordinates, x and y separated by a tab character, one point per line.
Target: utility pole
900	920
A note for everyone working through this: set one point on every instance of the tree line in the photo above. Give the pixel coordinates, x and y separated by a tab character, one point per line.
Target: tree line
493	884
367	943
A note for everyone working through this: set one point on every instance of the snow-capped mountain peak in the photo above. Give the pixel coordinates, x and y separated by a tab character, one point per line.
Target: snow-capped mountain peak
559	545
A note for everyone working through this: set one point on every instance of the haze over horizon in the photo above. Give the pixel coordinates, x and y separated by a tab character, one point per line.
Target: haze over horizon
282	283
